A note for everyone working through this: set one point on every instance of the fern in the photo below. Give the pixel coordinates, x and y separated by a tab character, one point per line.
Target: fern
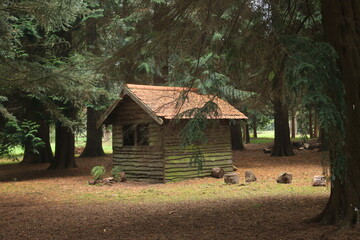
115	173
19	134
98	172
312	71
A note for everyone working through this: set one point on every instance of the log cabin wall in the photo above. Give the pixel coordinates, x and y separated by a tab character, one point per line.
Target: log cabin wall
139	162
216	153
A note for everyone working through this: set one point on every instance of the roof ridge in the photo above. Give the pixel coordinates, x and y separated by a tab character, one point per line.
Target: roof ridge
161	88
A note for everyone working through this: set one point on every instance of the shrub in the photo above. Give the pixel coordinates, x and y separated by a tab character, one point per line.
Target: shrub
98	172
115	173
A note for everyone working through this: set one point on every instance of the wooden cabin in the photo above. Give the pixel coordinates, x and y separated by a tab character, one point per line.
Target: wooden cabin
146	133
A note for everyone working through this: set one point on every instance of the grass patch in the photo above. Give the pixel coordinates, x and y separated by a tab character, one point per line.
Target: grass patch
261	140
200	192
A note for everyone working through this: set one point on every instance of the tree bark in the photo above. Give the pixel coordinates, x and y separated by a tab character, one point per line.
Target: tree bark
247	133
293	119
311	131
160	23
45	154
342	29
316	125
255	126
236	136
282	145
93	147
64	148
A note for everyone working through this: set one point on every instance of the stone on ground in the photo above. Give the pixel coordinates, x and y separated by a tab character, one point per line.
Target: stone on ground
319	181
250	176
217	172
285	178
231	178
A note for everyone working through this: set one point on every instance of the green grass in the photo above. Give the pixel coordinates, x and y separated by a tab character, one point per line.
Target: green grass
18	152
173	192
268	137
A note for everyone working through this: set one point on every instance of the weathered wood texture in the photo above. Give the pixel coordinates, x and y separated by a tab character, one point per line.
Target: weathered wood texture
164	159
216	153
139	162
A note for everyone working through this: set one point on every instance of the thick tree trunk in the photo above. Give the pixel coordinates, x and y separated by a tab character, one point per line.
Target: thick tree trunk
93	147
316	125
236	136
254	125
44	154
293	125
311	131
160	23
247	133
342	29
64	148
282	143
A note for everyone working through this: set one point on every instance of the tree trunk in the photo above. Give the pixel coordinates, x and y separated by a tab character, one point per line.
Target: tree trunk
247	133
64	148
236	136
342	29
255	126
316	125
93	147
282	145
293	119
45	154
160	23
311	132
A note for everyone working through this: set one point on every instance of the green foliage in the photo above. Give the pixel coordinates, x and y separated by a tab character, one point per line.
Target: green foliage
98	172
194	129
19	134
312	73
115	173
197	159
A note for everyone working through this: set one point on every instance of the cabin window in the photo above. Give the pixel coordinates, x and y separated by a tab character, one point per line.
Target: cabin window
128	135
142	135
136	135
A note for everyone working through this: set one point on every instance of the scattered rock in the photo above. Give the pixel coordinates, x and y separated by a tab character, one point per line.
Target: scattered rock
231	178
319	181
235	168
122	177
250	176
92	182
285	178
301	148
108	180
267	150
217	172
306	145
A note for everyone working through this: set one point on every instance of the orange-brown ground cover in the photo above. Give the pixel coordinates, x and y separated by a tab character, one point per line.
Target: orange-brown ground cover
41	204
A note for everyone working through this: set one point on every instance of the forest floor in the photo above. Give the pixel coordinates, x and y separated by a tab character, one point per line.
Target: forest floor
59	204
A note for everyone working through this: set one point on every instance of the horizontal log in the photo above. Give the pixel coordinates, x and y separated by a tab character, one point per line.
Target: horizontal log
176	155
227	162
205	161
136	163
127	169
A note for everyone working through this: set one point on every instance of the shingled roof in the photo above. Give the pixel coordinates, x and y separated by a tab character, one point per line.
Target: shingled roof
164	102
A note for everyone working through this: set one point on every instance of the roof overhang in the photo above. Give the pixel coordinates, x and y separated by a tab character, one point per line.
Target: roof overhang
123	93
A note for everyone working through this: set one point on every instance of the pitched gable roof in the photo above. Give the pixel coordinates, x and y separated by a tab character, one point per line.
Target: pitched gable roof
164	102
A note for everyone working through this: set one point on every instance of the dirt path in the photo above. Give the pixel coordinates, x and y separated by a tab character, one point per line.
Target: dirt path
30	209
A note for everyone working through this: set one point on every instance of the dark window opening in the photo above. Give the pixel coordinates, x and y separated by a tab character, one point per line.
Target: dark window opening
128	135
142	135
136	135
